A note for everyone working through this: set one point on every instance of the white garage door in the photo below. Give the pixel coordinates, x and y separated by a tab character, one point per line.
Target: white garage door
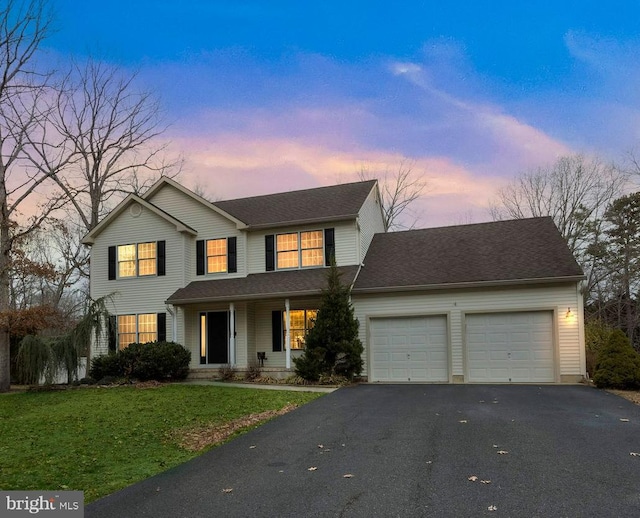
510	347
409	349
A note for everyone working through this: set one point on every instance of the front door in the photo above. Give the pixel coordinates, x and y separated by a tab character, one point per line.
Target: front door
214	337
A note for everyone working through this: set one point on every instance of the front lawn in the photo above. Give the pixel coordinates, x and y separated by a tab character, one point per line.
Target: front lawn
100	440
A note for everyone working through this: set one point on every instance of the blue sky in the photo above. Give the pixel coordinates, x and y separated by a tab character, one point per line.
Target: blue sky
270	96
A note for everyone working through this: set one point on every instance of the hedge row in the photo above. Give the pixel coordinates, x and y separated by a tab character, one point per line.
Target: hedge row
158	361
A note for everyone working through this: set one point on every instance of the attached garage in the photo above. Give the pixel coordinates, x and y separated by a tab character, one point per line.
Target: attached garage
510	347
508	292
409	349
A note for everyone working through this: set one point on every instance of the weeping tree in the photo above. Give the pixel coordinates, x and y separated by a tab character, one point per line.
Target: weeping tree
40	358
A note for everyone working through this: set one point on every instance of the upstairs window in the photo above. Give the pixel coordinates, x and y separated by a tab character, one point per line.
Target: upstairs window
216	255
137	260
299	249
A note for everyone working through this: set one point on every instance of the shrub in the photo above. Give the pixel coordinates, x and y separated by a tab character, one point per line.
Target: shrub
253	372
618	364
106	365
227	372
596	335
159	361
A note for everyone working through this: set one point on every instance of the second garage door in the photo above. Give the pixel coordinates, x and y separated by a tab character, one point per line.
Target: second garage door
510	347
409	349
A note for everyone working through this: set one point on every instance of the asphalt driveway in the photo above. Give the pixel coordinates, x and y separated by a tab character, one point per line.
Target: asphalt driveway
409	450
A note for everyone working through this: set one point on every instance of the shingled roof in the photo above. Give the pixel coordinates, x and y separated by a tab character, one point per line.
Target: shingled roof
331	203
260	285
530	250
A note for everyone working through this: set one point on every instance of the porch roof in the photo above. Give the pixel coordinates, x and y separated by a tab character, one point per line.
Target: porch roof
289	283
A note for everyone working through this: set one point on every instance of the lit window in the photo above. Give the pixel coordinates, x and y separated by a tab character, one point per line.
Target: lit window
287	250
301	321
137	260
300	249
137	328
216	255
311	248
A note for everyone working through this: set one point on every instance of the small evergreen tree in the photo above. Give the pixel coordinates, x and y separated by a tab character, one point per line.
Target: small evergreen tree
332	344
618	364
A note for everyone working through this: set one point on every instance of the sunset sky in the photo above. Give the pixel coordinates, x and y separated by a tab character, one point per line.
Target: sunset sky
280	95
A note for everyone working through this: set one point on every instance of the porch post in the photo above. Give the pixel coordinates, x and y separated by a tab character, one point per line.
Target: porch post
232	334
287	345
174	322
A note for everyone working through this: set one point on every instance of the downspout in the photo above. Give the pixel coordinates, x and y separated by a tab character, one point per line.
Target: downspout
287	346
232	334
174	322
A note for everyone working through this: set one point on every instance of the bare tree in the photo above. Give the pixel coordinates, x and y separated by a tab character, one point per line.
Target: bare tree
399	190
575	191
23	26
112	131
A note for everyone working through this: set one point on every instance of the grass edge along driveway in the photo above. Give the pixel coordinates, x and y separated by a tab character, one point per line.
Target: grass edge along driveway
99	440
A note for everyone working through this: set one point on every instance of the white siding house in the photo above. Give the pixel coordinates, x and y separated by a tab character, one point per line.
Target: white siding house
239	280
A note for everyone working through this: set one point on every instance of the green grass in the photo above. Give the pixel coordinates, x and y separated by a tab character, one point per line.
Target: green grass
100	440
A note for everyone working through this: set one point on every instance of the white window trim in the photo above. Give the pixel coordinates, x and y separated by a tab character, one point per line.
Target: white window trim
206	256
137	332
137	261
300	267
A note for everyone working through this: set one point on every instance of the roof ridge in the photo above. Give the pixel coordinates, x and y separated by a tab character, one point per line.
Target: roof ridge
297	191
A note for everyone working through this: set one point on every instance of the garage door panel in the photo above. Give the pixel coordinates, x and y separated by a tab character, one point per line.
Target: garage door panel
510	347
415	347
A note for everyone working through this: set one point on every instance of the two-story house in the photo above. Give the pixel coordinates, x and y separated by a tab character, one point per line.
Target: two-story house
239	280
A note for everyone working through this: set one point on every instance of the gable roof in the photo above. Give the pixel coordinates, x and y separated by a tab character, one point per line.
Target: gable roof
501	252
89	238
333	203
165	180
260	285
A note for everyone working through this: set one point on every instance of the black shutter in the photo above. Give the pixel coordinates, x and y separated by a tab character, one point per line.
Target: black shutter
270	252
329	246
200	257
112	335
162	327
161	257
276	330
112	263
232	255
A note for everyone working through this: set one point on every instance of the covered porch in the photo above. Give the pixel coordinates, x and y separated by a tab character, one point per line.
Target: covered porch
258	320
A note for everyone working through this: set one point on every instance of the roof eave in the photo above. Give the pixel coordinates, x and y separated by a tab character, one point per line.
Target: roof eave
232	298
474	284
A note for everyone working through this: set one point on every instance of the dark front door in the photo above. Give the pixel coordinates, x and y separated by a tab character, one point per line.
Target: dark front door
217	337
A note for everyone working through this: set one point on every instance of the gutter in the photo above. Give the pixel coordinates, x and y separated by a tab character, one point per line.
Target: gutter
473	284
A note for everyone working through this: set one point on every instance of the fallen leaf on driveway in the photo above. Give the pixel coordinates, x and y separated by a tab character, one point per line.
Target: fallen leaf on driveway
312	468
320	446
492	508
634	454
624	420
429	462
348	475
502	452
228	490
462	421
486	481
495	445
252	447
472	478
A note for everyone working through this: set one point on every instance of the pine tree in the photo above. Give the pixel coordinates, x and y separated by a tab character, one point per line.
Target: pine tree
332	344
